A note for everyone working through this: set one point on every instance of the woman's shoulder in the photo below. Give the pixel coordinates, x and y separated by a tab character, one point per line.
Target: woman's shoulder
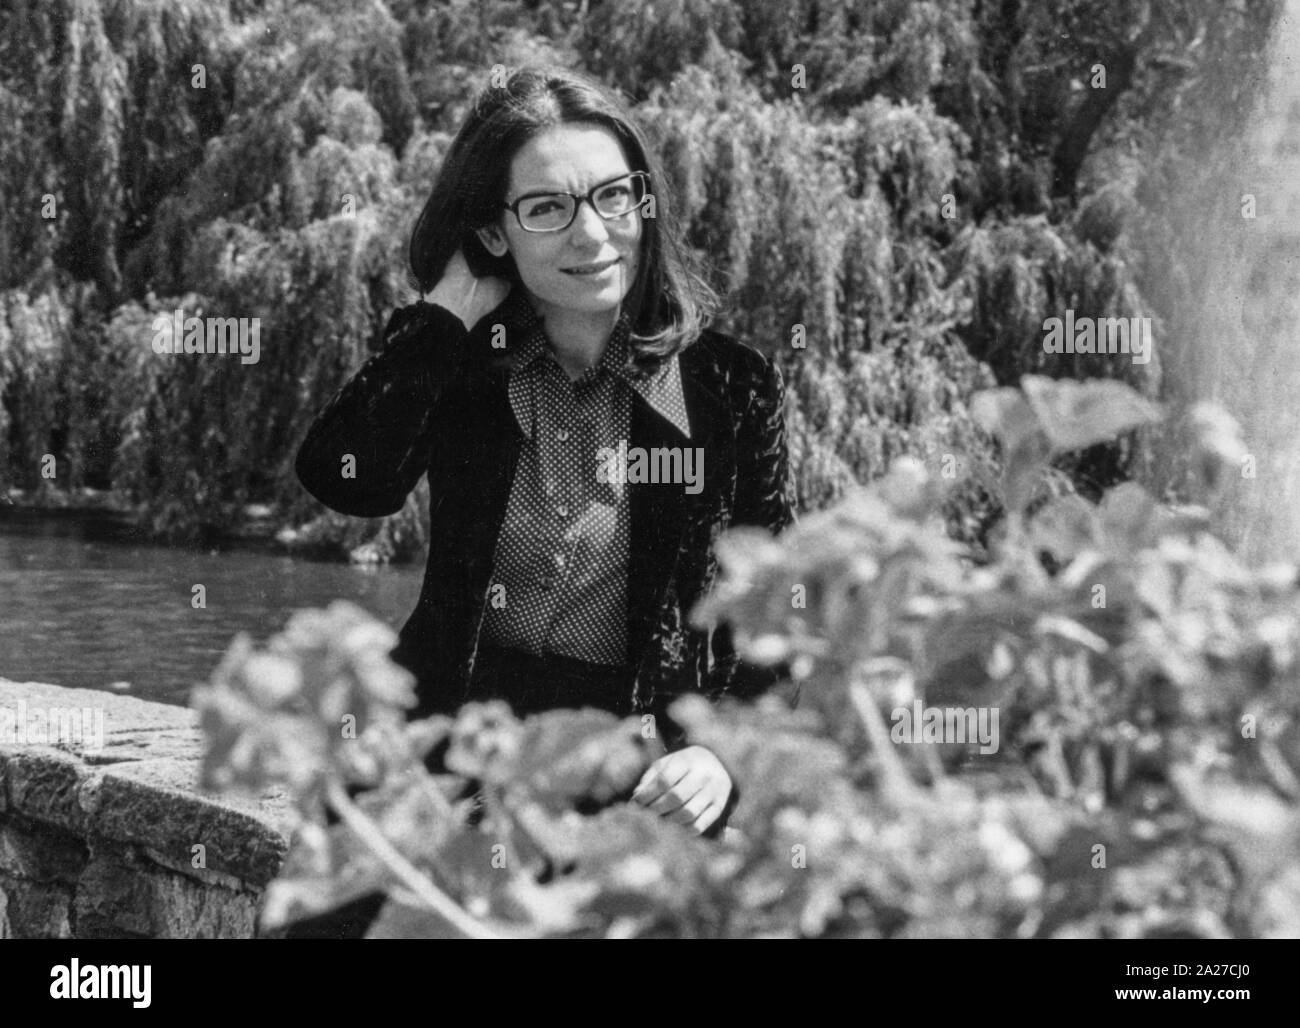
418	317
717	354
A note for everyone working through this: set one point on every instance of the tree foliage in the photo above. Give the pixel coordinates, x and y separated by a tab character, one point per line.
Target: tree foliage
907	189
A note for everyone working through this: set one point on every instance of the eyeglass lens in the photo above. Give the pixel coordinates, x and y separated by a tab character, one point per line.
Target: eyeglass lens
556	210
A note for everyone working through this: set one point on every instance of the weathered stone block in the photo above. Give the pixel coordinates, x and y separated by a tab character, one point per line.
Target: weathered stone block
35	910
44	785
137	806
39	852
121	895
97	831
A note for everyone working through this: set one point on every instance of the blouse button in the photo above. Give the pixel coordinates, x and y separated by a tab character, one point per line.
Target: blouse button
562	435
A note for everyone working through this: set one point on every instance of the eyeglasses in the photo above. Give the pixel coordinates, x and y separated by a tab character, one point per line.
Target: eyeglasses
554	212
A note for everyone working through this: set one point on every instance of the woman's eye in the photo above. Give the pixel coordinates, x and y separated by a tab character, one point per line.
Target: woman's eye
538	207
612	193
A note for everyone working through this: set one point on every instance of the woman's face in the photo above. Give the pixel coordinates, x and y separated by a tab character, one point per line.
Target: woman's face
572	159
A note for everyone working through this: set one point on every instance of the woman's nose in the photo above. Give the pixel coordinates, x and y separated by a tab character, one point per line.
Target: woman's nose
588	224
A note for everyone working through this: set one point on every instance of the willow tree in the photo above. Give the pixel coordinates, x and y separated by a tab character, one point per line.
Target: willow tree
894	195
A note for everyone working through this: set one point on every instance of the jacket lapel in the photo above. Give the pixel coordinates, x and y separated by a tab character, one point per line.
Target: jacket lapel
660	513
493	439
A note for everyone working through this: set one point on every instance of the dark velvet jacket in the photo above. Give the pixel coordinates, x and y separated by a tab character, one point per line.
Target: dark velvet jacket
434	399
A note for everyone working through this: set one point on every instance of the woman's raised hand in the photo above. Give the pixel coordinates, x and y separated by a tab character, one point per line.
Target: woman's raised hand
466	295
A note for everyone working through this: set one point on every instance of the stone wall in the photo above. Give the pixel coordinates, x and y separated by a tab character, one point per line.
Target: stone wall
116	840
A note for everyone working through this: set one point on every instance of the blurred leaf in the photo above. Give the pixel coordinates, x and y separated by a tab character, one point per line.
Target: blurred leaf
1076	415
1005	413
325	868
1130	518
398	920
566	756
1065	526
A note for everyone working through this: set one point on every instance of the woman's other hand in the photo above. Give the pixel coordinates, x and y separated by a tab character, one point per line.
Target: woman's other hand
466	295
690	786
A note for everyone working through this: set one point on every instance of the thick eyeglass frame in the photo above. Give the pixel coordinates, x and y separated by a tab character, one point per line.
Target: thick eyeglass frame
589	196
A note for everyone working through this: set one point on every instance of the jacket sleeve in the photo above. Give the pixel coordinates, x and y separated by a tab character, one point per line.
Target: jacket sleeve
765	498
383	417
764	488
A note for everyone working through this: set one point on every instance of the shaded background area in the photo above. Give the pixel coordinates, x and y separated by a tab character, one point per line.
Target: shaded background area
1231	222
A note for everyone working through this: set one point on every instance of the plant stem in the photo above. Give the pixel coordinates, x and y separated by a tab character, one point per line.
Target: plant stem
373	839
897	784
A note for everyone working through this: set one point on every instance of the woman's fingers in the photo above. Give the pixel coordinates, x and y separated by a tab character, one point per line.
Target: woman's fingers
690	787
691	811
708	816
657	788
678	796
661	776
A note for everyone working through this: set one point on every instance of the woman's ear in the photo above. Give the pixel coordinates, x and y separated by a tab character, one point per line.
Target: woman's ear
493	240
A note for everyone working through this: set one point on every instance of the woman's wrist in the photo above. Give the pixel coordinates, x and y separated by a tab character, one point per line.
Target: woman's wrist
465	294
445	301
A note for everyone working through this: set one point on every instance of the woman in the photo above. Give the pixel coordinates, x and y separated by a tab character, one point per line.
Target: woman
585	436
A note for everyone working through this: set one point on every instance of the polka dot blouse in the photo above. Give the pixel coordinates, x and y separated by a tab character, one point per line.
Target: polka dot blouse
559	582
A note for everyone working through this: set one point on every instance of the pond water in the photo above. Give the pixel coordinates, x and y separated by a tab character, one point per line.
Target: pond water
85	602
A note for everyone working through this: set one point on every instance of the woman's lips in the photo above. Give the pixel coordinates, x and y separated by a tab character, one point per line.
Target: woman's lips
591	269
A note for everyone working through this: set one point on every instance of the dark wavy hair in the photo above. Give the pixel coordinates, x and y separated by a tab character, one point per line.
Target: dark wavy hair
669	303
